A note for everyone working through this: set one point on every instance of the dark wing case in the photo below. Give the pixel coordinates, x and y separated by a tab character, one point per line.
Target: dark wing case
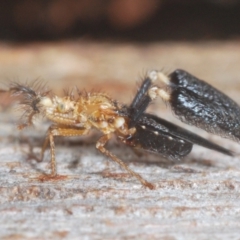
167	139
186	135
153	136
197	103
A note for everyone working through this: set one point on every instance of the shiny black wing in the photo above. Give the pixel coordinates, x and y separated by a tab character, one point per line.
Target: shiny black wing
167	139
184	134
197	103
153	136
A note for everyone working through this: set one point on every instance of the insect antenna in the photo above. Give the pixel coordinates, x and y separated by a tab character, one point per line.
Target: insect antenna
30	95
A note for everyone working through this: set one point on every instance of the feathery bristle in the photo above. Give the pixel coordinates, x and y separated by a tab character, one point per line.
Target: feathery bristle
29	96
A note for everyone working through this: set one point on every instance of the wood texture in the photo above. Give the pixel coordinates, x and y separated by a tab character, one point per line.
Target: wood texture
93	198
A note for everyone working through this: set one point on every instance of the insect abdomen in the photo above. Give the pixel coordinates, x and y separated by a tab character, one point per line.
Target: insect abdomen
198	103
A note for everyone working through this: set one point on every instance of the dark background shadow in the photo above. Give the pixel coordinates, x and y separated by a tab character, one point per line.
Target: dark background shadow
136	20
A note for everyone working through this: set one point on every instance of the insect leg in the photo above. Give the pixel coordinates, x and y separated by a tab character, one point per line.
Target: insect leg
140	101
141	93
54	131
100	146
145	94
44	146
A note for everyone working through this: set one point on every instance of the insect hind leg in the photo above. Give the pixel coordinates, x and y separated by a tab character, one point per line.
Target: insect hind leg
54	131
101	147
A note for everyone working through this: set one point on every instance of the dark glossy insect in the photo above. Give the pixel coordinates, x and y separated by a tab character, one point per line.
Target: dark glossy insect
197	103
77	113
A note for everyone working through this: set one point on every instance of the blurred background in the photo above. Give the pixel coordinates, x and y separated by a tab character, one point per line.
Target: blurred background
110	44
138	20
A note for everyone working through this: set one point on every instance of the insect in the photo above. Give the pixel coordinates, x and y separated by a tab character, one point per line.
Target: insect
197	103
192	100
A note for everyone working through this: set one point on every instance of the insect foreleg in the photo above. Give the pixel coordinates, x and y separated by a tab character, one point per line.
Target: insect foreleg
100	146
63	132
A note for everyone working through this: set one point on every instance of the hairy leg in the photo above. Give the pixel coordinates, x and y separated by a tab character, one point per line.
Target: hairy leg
63	132
100	146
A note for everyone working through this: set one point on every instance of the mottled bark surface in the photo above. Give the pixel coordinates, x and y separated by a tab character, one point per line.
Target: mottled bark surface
93	198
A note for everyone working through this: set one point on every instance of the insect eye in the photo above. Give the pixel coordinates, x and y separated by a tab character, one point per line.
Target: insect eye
61	107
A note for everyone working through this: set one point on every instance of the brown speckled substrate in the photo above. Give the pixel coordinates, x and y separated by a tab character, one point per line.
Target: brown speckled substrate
94	199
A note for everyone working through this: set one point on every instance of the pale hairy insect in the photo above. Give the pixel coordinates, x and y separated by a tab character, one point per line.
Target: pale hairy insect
76	114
